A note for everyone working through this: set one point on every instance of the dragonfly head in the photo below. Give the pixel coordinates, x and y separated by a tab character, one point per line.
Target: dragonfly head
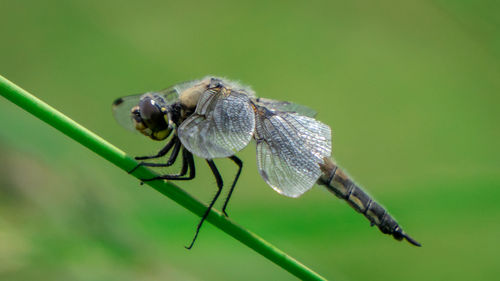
151	117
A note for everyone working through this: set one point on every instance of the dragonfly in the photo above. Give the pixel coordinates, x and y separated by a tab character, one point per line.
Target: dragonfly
214	118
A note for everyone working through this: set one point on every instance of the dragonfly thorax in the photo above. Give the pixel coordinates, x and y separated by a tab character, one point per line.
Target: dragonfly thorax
189	98
156	117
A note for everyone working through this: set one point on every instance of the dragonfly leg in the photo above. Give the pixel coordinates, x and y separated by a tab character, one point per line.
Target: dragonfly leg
176	143
175	153
240	166
160	153
187	164
218	178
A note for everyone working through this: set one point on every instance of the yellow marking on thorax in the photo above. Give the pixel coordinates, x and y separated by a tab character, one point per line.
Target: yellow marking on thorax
225	91
255	110
189	98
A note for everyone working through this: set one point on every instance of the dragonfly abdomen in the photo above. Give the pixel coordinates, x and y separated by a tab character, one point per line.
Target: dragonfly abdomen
343	187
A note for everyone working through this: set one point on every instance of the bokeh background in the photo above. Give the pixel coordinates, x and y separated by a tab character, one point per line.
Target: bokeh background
411	91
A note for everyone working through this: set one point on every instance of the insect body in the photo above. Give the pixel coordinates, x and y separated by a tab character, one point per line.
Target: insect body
215	118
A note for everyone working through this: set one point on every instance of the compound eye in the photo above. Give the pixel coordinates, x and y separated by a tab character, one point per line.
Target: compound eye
136	115
152	114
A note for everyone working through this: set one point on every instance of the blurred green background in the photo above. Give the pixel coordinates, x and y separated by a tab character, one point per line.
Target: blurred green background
411	91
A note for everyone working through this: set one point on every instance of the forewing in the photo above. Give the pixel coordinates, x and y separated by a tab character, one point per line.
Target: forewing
286	106
179	88
290	148
121	110
223	124
171	95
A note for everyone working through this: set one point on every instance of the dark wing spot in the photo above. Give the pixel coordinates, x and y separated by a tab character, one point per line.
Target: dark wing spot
118	101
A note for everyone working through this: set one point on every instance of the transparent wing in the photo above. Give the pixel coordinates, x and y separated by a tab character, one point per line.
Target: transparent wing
289	150
286	106
122	106
179	88
121	110
223	123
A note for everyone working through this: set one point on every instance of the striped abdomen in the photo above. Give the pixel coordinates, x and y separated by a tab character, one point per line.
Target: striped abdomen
343	187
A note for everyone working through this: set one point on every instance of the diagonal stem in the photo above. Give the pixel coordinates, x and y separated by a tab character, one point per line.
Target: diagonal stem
116	156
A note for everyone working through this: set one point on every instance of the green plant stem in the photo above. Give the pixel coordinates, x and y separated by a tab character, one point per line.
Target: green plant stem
114	155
